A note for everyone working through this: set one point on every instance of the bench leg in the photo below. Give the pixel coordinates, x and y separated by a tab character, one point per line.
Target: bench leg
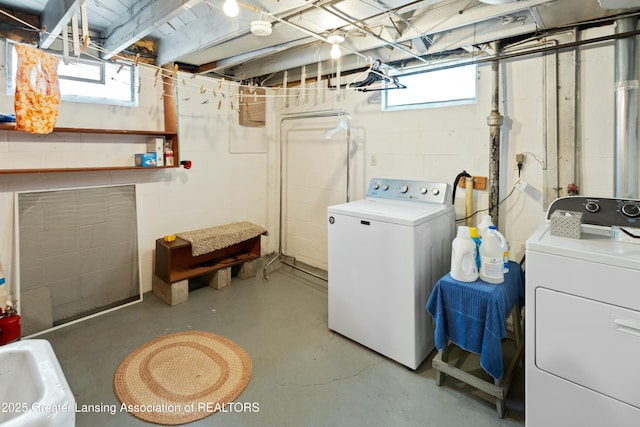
247	270
171	293
218	279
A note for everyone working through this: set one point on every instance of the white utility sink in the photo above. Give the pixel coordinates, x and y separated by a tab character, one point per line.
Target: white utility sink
33	389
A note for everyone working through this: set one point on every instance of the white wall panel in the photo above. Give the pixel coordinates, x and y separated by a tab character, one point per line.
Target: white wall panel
440	143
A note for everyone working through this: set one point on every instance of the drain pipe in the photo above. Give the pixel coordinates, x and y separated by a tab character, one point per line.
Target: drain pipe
494	120
626	111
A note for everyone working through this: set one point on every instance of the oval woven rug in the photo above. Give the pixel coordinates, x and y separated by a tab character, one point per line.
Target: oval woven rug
181	377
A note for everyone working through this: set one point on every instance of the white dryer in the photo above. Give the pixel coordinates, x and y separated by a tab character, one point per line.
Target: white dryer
385	254
582	330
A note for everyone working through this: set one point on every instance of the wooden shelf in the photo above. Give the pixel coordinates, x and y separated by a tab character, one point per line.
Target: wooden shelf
170	122
171	136
183	273
174	261
87	169
12	127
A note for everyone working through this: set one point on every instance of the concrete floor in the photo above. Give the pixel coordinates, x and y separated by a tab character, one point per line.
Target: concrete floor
303	373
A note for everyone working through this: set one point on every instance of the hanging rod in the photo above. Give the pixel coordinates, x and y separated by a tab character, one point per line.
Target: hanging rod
297	116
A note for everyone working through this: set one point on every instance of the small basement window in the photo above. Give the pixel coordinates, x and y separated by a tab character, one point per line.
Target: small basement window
433	88
86	80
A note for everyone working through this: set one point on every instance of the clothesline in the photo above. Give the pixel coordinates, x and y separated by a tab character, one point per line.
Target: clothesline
303	91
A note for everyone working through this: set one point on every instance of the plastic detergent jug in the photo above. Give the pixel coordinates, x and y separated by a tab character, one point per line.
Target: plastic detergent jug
463	257
473	233
492	256
484	225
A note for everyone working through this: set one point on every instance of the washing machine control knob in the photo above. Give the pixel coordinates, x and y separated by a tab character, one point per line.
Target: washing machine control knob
376	186
592	207
630	210
435	191
404	188
385	187
423	190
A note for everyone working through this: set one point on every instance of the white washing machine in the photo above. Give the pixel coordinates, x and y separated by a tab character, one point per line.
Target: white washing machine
582	334
385	254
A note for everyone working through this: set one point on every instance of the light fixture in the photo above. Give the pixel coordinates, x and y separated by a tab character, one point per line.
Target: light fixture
261	28
335	40
231	8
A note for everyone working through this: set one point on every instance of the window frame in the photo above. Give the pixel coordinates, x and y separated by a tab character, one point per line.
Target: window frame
77	61
432	104
102	80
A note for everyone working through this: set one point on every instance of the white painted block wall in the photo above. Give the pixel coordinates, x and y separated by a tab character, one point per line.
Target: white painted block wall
235	172
227	183
440	143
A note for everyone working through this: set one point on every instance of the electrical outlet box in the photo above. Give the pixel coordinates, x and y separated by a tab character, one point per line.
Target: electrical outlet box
479	183
519	158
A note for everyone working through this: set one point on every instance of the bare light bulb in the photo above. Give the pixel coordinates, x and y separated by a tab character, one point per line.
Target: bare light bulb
335	51
231	8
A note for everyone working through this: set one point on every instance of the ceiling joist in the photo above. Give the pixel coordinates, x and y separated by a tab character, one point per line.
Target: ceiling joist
147	17
55	15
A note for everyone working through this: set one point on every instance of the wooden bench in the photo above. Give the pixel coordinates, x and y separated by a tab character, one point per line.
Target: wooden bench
175	265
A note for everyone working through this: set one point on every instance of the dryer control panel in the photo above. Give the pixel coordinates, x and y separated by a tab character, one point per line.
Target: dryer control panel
410	190
600	211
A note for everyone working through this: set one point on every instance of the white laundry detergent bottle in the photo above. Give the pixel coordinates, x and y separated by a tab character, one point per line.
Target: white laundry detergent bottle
484	225
463	256
492	256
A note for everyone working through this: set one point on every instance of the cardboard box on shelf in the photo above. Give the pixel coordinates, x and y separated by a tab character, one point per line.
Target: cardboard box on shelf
146	159
156	145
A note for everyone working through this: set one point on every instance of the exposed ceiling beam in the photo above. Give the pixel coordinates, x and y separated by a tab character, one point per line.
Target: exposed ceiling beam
209	30
449	40
204	32
10	31
55	15
263	61
148	16
258	54
449	18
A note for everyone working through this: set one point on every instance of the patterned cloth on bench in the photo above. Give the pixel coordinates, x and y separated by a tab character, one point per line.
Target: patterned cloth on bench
211	239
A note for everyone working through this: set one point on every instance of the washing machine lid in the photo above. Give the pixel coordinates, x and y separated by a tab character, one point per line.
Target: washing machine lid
397	212
596	245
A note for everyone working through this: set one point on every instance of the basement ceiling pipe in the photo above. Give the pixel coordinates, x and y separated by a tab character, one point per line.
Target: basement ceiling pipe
626	110
494	120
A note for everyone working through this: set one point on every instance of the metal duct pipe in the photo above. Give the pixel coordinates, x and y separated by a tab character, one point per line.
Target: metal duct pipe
626	111
494	120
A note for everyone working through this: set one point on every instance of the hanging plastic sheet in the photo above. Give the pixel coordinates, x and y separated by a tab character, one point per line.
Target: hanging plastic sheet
37	97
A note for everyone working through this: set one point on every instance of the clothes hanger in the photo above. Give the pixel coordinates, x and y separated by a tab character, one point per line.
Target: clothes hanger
389	83
375	80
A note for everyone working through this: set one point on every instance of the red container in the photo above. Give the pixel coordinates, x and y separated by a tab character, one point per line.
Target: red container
9	329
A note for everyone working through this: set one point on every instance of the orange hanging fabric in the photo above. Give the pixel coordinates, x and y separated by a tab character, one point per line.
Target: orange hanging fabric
37	96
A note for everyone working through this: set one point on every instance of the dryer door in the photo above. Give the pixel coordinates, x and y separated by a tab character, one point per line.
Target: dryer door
589	343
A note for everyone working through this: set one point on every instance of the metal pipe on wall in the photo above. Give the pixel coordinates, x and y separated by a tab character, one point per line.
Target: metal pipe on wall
494	120
317	114
626	110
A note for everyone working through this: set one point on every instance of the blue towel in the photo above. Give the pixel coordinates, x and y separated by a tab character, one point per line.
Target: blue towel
473	315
